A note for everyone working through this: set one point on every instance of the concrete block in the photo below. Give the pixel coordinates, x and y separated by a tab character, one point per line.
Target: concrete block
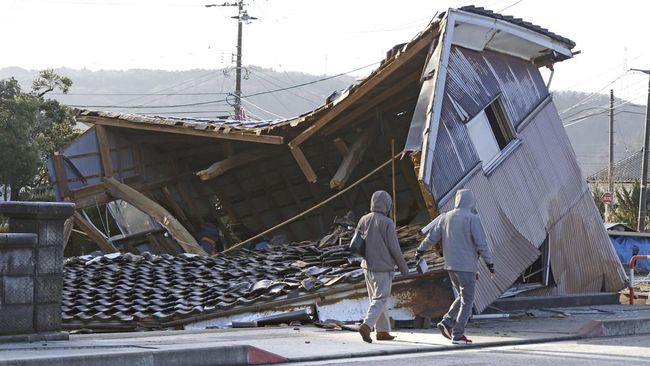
16	262
49	260
18	240
18	290
48	317
16	319
37	210
50	233
19	225
48	289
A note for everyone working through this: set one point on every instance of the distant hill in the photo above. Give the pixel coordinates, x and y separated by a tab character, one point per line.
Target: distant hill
122	88
589	136
207	90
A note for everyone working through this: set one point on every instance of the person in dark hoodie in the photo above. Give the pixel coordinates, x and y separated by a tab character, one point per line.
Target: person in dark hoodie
382	254
463	241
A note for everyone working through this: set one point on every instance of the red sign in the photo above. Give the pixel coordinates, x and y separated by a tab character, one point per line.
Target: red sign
607	198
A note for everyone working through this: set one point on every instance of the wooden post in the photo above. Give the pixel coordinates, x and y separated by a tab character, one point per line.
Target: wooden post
104	151
61	177
392	164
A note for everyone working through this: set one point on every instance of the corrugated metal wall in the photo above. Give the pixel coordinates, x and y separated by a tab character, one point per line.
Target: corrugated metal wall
474	79
536	190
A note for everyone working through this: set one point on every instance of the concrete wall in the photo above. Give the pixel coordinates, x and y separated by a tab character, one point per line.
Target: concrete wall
31	267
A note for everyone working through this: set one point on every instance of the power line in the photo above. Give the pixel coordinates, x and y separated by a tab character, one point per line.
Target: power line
137	94
224	100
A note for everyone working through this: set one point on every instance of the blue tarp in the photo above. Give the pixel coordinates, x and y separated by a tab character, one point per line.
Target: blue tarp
624	246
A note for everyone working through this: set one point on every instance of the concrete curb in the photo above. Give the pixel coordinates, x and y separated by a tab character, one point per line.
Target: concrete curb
614	328
431	349
592	329
213	356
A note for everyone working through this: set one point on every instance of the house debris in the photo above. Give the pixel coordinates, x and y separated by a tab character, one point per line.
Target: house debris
464	100
131	292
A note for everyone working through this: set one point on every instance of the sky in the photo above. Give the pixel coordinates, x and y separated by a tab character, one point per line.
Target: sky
316	37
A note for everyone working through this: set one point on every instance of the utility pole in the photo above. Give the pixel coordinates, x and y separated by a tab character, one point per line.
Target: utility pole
644	160
238	114
610	166
242	16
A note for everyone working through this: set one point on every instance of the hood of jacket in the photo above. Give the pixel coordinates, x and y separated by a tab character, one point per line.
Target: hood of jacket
465	200
381	202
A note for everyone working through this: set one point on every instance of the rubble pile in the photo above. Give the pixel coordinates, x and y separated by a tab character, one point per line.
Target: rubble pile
146	291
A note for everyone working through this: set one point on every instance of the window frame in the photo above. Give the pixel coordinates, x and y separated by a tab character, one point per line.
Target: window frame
505	128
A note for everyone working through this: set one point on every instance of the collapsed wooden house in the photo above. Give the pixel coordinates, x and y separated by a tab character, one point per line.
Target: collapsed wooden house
462	105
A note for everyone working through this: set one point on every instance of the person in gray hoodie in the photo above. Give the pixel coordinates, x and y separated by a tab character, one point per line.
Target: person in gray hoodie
463	241
382	254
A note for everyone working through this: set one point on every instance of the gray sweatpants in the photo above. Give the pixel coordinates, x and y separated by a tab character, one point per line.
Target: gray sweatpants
379	285
461	309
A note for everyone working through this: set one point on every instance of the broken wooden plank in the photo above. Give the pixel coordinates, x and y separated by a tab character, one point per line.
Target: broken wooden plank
341	146
303	163
236	136
231	162
352	159
104	150
95	235
429	201
159	213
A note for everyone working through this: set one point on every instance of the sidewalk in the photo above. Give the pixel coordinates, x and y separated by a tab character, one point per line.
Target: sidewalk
308	343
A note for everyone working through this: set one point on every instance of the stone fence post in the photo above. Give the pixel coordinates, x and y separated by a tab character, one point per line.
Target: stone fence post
31	267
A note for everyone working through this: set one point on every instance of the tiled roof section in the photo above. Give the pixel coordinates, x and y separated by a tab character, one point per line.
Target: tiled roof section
147	291
627	169
517	21
194	123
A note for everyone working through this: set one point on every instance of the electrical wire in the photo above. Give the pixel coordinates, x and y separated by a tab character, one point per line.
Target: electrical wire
224	100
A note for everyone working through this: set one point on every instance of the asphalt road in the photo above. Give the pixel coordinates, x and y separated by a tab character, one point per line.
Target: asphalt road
592	352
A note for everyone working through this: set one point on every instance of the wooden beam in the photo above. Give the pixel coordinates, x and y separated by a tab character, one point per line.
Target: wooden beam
231	162
169	198
68	225
429	201
236	136
368	86
352	159
61	176
304	165
159	213
341	146
95	235
376	101
104	151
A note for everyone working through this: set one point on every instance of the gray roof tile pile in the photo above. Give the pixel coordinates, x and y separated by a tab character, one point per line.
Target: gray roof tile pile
130	291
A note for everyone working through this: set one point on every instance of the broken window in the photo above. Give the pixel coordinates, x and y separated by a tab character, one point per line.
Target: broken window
540	271
490	132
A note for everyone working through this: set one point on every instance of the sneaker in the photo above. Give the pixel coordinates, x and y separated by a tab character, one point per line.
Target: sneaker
445	330
461	340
